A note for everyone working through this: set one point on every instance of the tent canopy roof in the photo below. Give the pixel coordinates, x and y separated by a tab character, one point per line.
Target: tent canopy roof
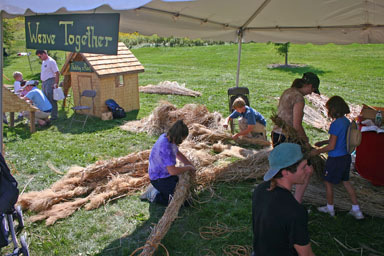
296	21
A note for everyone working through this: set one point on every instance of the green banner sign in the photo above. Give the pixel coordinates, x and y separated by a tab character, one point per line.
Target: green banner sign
79	66
90	33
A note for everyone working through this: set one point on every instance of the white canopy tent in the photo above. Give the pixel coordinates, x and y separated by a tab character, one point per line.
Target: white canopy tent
296	21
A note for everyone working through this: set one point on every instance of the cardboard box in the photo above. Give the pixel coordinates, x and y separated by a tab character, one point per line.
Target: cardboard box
106	116
369	112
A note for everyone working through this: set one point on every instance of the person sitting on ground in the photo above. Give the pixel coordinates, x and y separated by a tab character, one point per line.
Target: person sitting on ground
19	82
251	122
39	100
162	169
280	223
338	163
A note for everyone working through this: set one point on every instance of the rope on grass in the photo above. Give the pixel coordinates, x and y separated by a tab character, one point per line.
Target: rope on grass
142	248
237	250
217	231
207	252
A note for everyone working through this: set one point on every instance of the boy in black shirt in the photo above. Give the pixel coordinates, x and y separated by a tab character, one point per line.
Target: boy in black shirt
280	223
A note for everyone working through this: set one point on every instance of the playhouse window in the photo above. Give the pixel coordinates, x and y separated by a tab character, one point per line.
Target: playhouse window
119	81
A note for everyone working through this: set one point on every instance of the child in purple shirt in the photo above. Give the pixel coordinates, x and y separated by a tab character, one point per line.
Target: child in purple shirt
162	168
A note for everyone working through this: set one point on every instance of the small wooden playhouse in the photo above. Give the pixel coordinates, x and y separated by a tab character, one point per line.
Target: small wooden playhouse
111	76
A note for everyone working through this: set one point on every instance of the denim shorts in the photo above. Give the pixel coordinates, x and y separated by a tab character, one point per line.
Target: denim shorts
337	169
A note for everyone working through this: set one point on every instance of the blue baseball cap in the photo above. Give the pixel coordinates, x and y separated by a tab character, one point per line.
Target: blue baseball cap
284	155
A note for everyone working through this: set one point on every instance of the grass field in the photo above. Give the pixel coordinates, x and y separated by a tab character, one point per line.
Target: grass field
354	72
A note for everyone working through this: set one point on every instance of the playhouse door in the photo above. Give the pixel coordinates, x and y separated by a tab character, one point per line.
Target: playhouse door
85	83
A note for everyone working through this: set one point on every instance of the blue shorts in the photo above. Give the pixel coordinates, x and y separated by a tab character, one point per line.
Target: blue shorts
337	169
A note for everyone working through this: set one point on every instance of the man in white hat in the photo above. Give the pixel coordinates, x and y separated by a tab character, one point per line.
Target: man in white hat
280	223
39	100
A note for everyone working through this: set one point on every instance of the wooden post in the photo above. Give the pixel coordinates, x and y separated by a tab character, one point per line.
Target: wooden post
11	119
32	120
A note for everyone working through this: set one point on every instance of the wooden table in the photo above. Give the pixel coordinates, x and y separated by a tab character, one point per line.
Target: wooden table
13	103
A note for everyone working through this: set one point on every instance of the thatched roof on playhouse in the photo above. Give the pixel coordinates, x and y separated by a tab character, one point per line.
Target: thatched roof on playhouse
104	65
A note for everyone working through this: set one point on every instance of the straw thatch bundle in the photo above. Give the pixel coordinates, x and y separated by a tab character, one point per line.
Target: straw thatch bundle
166	114
167	87
252	167
204	126
200	132
317	161
318	101
314	118
170	214
94	185
91	186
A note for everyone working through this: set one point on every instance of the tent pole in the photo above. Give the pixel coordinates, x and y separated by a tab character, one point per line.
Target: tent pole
1	82
240	39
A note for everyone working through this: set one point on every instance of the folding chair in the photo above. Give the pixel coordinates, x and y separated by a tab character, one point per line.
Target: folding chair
85	94
233	94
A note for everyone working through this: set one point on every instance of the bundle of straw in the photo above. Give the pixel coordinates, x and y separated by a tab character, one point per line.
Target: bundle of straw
170	214
91	186
318	101
166	114
167	87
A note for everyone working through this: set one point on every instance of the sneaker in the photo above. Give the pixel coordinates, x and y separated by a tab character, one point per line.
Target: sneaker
356	214
325	209
150	193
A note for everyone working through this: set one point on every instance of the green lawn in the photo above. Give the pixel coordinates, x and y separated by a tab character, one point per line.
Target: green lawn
354	72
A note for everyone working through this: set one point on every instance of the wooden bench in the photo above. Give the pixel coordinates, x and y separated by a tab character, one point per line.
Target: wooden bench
13	103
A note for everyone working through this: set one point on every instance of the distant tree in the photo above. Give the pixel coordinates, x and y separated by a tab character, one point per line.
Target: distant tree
8	33
282	49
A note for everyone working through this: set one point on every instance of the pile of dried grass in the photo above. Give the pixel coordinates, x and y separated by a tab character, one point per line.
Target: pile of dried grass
371	198
204	126
103	181
252	167
318	101
89	187
166	114
318	116
167	87
314	118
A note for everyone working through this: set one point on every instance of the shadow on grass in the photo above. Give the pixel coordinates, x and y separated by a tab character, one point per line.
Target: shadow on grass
93	124
21	129
127	244
299	70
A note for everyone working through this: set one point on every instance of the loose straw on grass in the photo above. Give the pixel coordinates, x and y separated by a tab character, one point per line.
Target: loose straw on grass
237	250
217	231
